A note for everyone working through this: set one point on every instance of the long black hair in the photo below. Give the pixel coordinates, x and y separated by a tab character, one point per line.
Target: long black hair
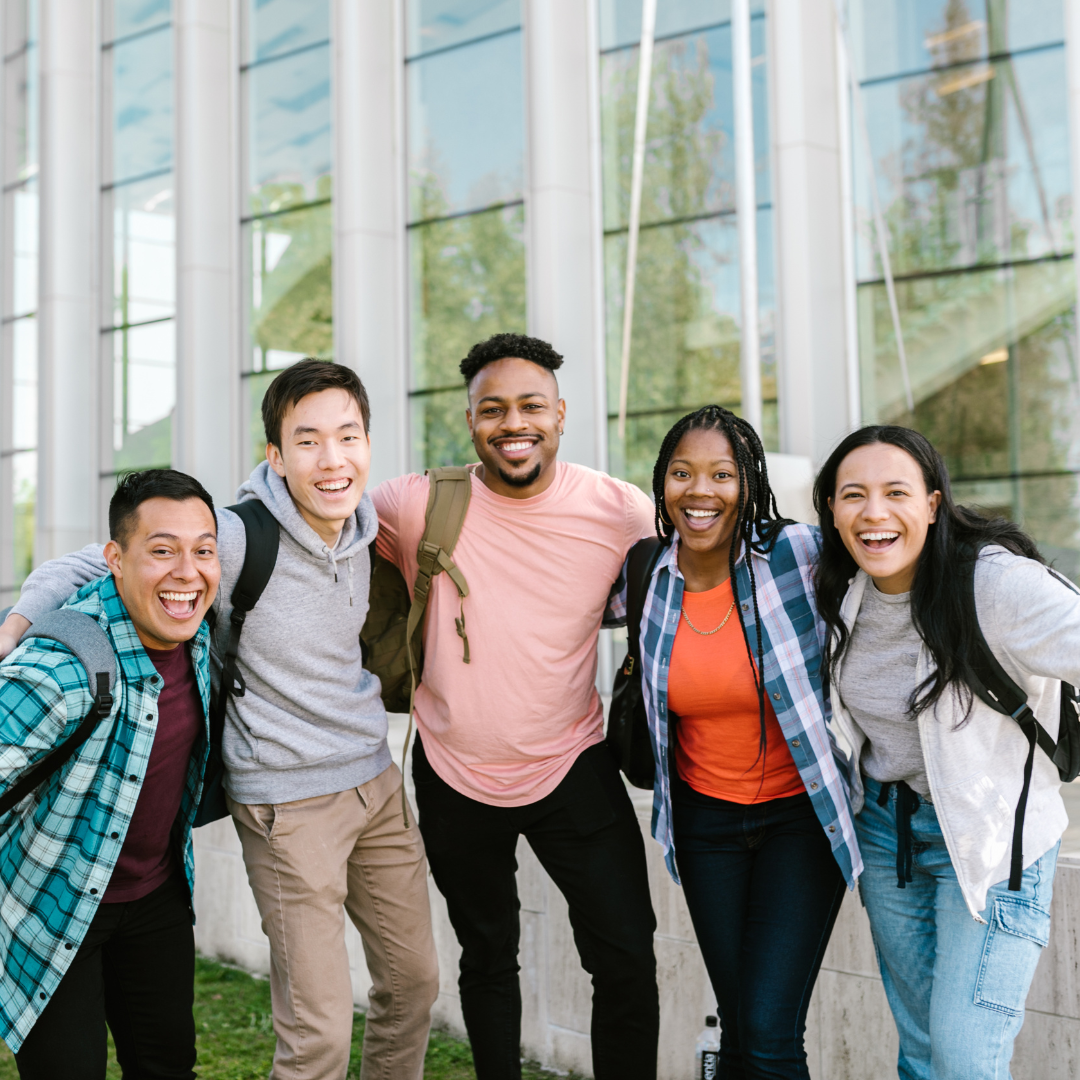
757	523
940	605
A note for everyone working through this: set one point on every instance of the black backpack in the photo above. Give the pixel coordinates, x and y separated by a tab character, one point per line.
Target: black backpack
628	725
993	685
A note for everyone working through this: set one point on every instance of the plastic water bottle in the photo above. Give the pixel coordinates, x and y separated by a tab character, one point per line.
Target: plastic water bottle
707	1051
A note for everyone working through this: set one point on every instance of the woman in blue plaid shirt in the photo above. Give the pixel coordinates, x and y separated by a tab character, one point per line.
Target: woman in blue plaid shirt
751	797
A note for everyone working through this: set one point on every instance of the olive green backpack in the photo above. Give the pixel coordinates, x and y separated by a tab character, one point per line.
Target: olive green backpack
392	637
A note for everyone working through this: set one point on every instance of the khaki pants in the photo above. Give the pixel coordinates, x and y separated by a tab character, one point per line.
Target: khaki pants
310	861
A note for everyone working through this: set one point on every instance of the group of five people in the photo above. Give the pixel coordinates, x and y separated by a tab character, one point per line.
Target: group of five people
808	694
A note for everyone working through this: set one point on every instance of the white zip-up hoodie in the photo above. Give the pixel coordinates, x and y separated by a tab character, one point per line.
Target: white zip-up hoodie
1031	621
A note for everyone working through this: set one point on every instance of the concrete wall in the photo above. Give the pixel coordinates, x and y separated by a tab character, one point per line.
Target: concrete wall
850	1034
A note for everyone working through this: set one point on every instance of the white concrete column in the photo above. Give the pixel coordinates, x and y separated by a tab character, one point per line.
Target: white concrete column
68	316
810	274
1072	53
369	217
206	422
563	217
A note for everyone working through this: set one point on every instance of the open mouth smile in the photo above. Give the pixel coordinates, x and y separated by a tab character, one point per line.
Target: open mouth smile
179	605
699	520
332	487
516	449
878	541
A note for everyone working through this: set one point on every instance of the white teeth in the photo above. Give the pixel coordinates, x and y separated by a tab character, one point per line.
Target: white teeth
333	485
702	513
878	536
178	595
514	446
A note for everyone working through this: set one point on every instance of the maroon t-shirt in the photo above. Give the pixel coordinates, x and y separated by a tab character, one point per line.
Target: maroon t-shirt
147	859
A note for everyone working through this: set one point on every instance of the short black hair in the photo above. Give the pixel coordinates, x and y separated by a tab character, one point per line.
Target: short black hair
305	377
136	487
502	346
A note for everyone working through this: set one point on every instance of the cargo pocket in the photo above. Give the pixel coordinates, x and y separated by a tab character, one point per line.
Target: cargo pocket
1018	933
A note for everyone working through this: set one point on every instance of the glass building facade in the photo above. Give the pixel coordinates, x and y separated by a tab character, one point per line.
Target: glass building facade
430	154
967	110
685	341
18	298
286	206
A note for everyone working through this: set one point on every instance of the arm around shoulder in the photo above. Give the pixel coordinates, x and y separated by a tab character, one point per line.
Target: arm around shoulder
50	585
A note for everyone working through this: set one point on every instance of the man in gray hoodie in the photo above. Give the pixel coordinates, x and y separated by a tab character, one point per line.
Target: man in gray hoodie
314	794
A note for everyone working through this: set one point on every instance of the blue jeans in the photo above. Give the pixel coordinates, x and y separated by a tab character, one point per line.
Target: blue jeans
763	890
956	987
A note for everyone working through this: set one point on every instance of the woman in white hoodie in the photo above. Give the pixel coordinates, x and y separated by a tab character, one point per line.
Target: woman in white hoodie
937	775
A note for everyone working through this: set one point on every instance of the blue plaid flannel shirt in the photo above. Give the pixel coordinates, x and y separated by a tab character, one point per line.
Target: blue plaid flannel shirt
793	638
59	846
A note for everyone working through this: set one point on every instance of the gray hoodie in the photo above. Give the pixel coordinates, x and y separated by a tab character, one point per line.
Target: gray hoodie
311	722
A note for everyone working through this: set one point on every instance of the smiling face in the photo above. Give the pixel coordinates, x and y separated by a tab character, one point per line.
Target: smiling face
167	569
883	512
515	419
324	458
701	495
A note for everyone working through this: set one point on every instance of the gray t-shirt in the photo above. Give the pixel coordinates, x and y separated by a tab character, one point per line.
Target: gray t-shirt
877	677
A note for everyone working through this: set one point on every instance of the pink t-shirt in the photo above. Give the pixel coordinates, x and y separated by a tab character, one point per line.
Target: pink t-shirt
505	728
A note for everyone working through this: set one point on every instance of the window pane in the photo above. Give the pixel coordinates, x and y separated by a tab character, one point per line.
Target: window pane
685	342
142	105
466	128
891	37
958	330
132	16
620	20
24	377
24	491
290	133
973	165
440	434
468	282
144	392
279	26
690	153
21	220
437	24
291	299
21	120
144	251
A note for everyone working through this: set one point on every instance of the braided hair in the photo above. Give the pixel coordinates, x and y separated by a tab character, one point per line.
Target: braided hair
757	523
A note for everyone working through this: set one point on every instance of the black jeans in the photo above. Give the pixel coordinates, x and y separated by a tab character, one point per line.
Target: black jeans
135	971
586	836
763	890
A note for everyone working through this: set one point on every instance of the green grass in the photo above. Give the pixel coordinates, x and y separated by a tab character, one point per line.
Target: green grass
236	1038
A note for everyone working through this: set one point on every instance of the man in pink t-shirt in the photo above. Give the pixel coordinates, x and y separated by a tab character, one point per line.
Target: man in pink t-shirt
511	744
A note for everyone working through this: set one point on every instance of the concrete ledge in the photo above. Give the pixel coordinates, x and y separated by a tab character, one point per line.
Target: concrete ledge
850	1032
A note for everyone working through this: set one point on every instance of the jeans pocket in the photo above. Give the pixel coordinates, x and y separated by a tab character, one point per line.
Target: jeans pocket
1018	933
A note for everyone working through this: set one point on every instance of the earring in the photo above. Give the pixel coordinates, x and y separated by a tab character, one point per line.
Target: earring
664	519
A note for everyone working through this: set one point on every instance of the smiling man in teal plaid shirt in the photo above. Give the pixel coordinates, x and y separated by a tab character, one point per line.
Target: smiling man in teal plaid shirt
96	868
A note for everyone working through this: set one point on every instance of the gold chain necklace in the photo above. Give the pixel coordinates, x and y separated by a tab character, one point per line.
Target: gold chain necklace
706	633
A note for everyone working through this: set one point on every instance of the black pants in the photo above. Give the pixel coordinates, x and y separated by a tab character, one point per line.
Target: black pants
764	891
135	971
586	836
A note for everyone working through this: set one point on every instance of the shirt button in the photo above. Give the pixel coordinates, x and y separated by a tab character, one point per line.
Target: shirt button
42	996
149	716
776	695
795	742
68	945
813	786
832	828
746	607
93	892
133	777
154	680
115	835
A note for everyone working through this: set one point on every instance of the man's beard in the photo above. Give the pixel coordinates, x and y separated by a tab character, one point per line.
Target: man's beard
521	479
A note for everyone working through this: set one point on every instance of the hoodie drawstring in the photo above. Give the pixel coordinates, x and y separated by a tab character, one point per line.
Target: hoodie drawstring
348	566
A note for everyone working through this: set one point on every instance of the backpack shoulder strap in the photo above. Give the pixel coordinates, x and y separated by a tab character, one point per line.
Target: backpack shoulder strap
640	562
260	557
83	636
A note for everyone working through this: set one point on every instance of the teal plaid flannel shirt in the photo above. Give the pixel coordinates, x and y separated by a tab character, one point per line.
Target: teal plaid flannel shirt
793	639
59	846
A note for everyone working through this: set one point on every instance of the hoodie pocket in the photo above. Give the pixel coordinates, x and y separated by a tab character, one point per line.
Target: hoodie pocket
1018	933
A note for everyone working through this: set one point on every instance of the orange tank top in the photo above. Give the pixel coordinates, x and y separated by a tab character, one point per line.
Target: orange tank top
713	701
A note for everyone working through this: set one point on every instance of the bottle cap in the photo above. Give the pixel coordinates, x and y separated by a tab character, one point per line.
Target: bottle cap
710	1021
